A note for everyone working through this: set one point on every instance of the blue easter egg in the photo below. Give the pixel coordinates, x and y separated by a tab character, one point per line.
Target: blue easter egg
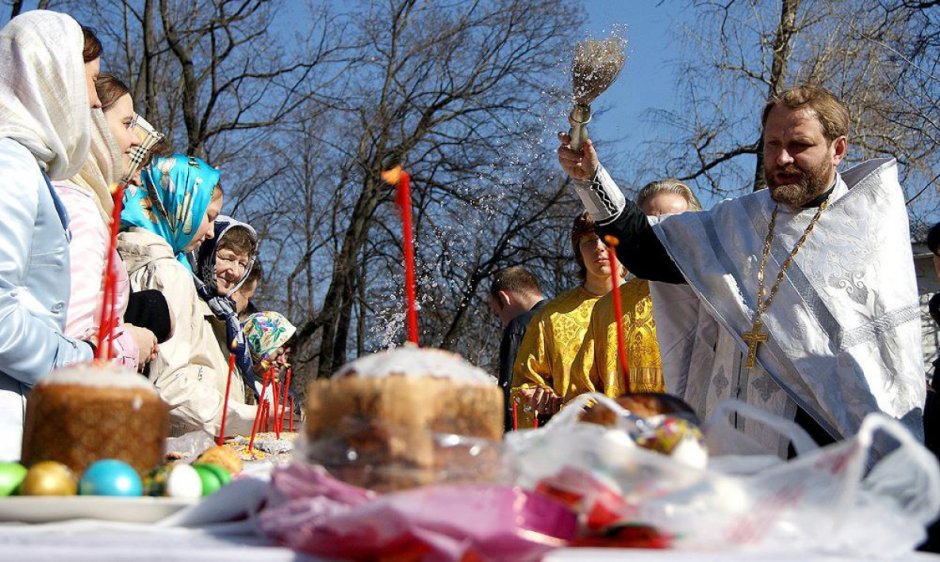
110	477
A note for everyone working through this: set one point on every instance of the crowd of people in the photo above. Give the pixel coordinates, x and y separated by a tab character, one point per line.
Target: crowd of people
183	275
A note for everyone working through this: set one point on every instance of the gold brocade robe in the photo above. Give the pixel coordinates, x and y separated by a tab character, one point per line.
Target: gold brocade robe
646	366
556	351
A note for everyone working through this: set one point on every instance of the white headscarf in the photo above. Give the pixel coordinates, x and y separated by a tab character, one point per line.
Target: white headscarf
43	94
102	169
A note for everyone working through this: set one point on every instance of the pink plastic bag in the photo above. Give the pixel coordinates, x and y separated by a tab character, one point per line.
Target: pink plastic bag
311	511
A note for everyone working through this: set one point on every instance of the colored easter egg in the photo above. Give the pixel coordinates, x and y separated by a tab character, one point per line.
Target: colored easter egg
223	475
49	478
183	482
210	480
110	477
11	476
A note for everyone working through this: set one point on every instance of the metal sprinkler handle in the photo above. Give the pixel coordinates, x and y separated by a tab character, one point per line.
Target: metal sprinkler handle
579	117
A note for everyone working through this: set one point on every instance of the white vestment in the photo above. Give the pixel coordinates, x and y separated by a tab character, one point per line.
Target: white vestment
844	328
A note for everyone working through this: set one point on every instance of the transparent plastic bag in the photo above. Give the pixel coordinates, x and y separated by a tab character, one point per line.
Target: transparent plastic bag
385	457
831	499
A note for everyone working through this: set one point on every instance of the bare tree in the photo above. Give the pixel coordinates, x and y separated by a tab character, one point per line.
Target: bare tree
875	55
450	87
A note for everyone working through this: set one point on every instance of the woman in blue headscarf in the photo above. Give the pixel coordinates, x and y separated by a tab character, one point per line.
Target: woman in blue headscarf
164	219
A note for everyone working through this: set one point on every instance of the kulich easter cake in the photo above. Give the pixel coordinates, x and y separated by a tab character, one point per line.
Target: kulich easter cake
88	412
403	418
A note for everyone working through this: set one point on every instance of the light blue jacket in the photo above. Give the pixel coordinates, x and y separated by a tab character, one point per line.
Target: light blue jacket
34	289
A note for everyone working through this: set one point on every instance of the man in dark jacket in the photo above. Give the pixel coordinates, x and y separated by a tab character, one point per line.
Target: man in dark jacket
514	297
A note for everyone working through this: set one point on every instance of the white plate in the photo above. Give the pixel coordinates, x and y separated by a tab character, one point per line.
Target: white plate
45	509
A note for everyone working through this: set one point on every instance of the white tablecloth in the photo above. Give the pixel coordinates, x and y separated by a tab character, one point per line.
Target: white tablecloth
98	541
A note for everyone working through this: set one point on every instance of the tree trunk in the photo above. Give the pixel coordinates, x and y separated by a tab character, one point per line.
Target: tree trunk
786	29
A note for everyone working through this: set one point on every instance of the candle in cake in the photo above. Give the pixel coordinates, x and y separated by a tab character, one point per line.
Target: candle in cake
228	388
398	177
515	416
612	242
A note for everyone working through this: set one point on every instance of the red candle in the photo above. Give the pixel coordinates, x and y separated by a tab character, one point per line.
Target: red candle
515	416
228	388
256	426
535	421
400	178
404	203
107	321
284	400
618	310
275	387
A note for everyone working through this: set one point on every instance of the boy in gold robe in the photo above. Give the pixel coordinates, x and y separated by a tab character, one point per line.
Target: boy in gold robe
555	358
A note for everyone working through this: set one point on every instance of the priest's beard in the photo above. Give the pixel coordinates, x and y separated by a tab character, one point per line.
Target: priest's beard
813	182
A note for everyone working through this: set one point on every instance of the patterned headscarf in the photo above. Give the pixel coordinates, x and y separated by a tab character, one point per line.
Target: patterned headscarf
267	332
172	201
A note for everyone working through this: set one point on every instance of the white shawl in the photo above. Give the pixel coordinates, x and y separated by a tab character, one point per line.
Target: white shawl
103	167
43	91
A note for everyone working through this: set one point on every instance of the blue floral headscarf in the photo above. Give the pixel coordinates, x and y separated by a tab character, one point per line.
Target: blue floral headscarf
173	198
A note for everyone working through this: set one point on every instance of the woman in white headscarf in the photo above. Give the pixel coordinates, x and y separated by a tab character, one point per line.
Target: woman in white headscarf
48	64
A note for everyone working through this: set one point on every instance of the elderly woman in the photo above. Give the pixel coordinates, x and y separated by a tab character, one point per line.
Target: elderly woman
48	64
167	217
224	263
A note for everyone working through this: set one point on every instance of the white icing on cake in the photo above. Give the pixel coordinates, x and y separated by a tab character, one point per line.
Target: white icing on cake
416	362
98	375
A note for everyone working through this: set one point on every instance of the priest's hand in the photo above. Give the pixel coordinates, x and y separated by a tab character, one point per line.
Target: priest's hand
581	164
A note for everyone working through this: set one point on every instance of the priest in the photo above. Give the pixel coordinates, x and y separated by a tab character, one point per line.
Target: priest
809	285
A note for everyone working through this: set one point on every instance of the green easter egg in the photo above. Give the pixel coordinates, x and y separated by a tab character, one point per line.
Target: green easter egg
11	475
210	481
223	475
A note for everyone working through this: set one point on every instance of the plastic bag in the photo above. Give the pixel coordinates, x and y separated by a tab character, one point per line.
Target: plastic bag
389	457
825	500
311	511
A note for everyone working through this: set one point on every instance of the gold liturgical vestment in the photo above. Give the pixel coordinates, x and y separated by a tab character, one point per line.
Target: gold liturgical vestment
646	367
556	351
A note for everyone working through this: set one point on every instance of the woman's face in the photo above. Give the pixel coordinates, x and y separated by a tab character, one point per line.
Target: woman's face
120	117
92	69
230	267
205	227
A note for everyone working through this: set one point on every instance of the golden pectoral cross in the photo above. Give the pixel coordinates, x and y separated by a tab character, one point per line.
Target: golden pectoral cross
753	338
